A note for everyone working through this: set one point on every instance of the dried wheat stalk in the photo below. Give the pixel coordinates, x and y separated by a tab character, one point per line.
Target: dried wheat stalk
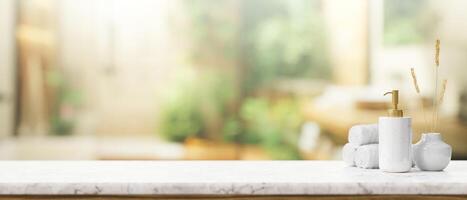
443	90
441	99
437	52
414	77
417	89
435	92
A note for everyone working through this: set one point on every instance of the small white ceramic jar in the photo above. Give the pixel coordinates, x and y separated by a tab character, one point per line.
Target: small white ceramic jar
431	153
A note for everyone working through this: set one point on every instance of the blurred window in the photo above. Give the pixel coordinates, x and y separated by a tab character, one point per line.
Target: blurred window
407	22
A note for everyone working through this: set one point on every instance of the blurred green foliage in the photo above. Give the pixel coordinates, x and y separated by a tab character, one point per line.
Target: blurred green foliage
267	40
181	118
285	39
408	22
213	29
273	125
184	113
67	100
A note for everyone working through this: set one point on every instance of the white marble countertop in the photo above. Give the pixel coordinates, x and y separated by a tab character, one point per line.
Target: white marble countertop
220	178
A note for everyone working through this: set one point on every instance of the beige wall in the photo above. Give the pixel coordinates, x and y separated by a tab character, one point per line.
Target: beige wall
7	56
347	24
122	58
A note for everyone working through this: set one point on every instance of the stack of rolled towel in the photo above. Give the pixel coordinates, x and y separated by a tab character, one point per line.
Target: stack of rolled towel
362	149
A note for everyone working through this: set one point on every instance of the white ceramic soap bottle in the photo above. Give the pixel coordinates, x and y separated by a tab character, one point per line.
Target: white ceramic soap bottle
395	139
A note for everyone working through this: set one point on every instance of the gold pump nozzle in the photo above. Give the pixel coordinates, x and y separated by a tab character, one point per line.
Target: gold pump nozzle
394	112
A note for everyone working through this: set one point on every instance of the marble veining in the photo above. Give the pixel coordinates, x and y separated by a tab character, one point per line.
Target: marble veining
221	178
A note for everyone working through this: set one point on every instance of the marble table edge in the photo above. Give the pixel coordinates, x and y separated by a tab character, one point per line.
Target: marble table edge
356	188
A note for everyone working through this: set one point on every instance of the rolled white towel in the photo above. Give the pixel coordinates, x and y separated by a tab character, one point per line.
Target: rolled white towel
348	154
363	134
366	156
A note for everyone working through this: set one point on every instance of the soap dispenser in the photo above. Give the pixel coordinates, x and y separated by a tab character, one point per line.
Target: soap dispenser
395	139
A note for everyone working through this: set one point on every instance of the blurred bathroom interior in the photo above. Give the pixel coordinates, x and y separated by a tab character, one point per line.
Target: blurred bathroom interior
221	79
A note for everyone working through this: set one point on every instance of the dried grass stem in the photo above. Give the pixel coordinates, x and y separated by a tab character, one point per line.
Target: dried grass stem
417	89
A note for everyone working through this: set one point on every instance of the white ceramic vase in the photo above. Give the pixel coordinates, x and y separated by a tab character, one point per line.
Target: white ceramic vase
431	153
